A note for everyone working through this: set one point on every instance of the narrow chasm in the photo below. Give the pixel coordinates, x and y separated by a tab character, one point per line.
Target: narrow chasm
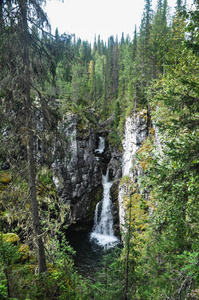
91	244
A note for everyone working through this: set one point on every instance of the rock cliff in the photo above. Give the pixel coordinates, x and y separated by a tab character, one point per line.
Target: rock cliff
78	175
134	134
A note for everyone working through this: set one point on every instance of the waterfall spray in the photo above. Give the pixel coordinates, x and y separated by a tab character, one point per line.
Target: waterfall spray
103	232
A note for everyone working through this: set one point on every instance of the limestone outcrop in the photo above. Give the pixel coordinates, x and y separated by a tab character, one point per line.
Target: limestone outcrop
134	134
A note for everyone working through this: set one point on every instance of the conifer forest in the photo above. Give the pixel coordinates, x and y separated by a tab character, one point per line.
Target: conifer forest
58	96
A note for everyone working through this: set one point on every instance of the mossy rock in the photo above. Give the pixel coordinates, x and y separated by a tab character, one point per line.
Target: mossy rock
3	187
126	179
95	196
5	178
24	251
11	238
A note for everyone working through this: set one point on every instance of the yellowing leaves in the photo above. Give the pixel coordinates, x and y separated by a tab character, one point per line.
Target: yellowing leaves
5	178
91	69
137	209
24	251
145	157
11	238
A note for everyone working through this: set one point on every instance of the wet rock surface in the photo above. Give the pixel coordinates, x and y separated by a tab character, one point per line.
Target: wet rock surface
78	177
79	172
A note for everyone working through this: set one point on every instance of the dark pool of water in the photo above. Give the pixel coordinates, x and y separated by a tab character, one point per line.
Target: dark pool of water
89	255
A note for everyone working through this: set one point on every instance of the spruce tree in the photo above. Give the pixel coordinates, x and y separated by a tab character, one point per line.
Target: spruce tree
158	39
135	43
179	5
18	73
144	61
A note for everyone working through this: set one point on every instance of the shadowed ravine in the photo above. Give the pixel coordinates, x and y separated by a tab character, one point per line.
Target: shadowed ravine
92	246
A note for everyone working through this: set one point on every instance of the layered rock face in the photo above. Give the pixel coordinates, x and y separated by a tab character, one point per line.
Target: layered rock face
135	134
78	176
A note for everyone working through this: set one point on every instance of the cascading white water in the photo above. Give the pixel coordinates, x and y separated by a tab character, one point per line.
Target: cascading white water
103	231
101	145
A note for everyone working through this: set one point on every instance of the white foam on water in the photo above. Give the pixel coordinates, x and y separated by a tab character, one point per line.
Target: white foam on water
106	241
103	232
101	145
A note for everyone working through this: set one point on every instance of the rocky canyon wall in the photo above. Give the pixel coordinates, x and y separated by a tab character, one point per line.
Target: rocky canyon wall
78	177
135	133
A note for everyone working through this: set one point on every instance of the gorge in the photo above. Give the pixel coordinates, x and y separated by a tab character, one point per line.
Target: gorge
96	211
90	158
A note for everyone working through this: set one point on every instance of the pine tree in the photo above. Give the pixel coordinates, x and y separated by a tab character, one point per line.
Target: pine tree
172	177
17	63
26	87
179	5
144	61
146	25
192	40
115	70
158	39
135	43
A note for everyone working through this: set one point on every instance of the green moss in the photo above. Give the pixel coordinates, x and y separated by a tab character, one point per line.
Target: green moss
5	177
125	179
24	251
95	197
45	176
11	238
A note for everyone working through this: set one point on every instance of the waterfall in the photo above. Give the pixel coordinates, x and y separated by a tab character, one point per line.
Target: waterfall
103	232
101	146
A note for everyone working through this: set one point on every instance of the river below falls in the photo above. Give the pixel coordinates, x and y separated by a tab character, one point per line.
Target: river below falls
89	255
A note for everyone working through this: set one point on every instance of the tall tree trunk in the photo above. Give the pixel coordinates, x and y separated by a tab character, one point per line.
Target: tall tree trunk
30	146
8	283
1	15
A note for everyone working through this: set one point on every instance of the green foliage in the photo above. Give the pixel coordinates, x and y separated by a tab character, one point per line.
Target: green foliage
8	257
45	177
192	41
160	255
3	287
21	281
79	84
169	253
114	140
108	282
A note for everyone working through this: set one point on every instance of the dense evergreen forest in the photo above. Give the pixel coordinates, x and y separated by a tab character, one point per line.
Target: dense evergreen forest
45	76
